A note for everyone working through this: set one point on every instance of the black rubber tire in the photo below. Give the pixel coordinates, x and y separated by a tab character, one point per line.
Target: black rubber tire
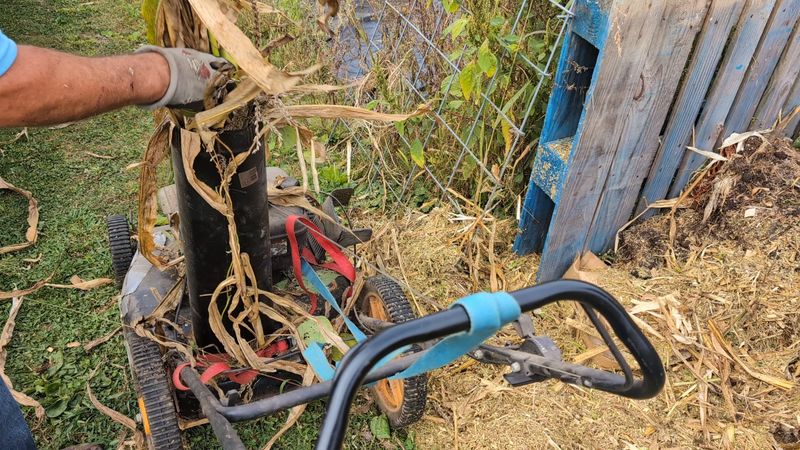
415	389
154	392
119	241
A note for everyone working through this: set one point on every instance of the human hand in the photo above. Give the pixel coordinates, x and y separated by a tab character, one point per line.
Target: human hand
191	73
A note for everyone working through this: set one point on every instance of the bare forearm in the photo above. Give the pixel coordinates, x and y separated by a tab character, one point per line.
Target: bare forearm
46	87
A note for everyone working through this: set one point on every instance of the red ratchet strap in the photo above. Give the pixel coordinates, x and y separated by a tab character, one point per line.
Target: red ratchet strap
340	263
217	364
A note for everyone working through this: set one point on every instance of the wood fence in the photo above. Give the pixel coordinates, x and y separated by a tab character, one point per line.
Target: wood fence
637	82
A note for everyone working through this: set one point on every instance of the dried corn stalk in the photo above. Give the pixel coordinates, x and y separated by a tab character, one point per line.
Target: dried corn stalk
210	26
33	218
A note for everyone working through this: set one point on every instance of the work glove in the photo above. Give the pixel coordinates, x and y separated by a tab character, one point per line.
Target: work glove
190	75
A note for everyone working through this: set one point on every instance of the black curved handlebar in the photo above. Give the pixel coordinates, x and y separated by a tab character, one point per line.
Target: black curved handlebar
357	362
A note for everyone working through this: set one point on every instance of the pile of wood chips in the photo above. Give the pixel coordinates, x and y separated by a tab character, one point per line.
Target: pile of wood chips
715	284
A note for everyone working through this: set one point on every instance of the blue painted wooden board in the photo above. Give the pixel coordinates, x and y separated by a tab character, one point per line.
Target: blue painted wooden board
720	20
591	21
781	83
729	78
638	56
570	90
550	166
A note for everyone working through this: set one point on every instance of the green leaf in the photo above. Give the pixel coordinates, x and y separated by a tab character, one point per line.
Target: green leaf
487	61
57	408
56	362
417	153
400	127
455	104
454	88
310	330
379	427
497	21
457	27
453	57
450	6
468	80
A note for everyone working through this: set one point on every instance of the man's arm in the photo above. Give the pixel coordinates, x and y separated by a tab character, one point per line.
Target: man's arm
45	87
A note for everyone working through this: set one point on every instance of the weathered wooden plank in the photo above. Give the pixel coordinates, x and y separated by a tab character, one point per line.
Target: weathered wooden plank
628	86
781	83
720	20
635	151
564	110
791	103
726	84
780	28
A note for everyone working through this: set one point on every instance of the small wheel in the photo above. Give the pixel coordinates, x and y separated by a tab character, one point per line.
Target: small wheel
119	240
403	401
153	393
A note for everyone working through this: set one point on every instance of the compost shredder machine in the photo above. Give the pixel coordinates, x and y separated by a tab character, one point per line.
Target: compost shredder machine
301	253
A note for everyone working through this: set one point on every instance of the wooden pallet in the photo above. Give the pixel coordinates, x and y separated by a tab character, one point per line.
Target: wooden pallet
638	82
619	66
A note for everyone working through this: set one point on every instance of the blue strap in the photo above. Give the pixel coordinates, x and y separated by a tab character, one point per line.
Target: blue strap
310	275
313	354
8	53
316	358
488	312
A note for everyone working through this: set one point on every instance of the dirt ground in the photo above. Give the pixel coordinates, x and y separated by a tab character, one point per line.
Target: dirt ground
720	301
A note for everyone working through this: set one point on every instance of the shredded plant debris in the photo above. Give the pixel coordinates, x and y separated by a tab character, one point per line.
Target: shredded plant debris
723	311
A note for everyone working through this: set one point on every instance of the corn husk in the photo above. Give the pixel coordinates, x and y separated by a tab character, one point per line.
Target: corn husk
33	219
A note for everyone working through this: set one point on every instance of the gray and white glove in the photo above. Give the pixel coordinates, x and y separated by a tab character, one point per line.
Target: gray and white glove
190	73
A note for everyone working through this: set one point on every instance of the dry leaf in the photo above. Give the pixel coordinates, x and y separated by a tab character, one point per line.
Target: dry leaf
738	139
329	9
24	292
588	268
95	155
89	346
344	112
73	344
773	380
33	218
157	150
78	283
118	417
246	91
5	338
244	53
707	154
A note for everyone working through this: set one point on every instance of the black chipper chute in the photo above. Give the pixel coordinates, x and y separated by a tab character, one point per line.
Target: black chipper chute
204	230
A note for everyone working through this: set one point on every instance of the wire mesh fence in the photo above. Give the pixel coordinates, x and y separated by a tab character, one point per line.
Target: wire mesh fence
484	68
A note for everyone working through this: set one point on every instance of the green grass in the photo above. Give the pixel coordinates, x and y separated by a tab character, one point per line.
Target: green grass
76	192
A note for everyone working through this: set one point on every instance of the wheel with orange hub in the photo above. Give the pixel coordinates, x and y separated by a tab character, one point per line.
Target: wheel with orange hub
403	401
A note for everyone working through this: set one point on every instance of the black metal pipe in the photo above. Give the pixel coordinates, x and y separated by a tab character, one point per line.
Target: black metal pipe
204	231
300	396
358	361
223	429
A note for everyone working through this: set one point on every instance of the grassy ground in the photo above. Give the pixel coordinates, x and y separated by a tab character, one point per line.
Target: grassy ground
76	192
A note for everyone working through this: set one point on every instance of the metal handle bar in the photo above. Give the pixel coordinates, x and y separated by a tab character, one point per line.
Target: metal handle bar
358	362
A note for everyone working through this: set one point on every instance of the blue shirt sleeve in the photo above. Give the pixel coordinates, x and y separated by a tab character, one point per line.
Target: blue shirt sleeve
8	53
